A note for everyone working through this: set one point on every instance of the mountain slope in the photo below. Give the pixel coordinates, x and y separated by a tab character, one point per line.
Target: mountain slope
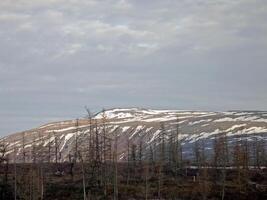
135	125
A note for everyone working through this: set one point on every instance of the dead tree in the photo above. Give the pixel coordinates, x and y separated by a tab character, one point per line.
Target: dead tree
40	167
216	150
90	136
34	155
133	161
140	153
49	147
221	159
245	150
4	164
3	151
128	161
178	146
115	172
197	153
76	140
162	159
151	158
23	148
15	172
83	175
224	160
97	161
172	159
94	179
203	178
56	147
104	152
34	149
175	149
146	181
162	138
262	152
238	161
259	151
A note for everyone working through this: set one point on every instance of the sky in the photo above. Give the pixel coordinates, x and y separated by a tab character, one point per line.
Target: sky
57	56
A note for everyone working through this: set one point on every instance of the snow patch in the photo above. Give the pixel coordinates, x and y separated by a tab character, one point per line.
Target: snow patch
67	138
154	136
137	130
125	128
235	127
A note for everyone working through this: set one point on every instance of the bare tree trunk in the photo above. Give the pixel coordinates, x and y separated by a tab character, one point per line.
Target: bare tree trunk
224	160
104	149
162	143
146	182
159	179
49	148
15	173
115	184
56	148
140	158
128	161
178	147
42	183
23	148
90	142
197	154
83	172
76	140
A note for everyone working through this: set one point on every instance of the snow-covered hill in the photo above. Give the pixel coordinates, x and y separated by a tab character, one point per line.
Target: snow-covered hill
135	125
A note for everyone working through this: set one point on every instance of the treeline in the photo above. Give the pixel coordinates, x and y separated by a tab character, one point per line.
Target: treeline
157	170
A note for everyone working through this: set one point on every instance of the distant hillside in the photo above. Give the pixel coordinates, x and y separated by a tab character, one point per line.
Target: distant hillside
134	125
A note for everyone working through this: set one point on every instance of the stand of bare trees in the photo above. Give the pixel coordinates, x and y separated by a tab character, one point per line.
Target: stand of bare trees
155	170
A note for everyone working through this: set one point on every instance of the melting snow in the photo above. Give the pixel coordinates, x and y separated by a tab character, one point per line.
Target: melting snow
235	127
138	128
200	121
67	138
49	140
242	118
125	128
154	136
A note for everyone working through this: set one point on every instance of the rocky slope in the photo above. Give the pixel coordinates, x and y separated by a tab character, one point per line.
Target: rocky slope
135	125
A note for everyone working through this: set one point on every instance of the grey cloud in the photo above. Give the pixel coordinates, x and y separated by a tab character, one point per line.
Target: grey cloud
57	56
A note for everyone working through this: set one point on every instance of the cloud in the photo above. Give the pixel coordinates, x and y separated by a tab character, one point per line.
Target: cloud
58	55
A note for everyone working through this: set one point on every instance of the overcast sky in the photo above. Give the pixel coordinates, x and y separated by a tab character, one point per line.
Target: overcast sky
56	56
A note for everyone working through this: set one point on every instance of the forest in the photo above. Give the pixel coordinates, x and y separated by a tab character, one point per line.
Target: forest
233	171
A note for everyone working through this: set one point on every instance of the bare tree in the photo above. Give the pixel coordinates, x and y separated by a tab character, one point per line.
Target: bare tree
128	161
3	151
90	136
76	140
83	175
197	153
104	150
146	181
221	159
161	162
140	152
23	147
49	147
15	172
4	164
115	163
56	147
162	138
133	161
238	161
178	147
